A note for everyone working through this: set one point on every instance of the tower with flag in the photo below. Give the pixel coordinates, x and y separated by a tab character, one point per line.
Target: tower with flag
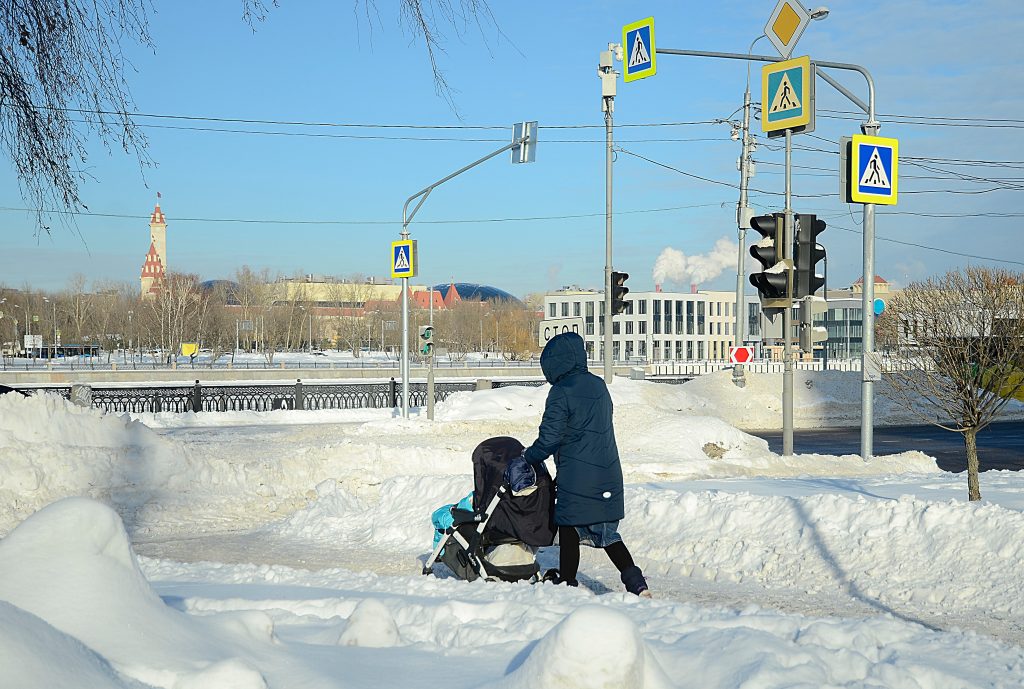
154	268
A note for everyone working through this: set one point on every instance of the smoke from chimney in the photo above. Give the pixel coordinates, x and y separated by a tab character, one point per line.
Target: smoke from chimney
672	265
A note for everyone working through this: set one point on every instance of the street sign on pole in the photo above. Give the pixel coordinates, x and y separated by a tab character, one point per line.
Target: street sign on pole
556	326
787	94
403	258
874	169
785	25
638	50
525	152
741	355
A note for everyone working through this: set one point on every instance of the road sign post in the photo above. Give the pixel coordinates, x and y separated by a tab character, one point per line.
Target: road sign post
873	175
741	355
638	50
787	92
786	25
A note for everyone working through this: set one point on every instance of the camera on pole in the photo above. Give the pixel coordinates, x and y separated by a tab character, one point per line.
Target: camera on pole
619	292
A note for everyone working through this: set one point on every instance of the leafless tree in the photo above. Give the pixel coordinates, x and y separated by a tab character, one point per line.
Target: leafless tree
956	344
62	80
348	301
178	312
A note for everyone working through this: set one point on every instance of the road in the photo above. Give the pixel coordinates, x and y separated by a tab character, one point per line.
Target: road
1000	445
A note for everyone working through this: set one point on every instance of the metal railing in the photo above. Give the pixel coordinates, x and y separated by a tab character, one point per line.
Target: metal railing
298	395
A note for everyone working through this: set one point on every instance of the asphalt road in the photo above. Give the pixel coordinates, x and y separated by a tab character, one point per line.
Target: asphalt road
1000	445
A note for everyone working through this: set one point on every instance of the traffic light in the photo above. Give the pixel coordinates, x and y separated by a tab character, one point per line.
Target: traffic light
772	282
427	337
619	292
806	281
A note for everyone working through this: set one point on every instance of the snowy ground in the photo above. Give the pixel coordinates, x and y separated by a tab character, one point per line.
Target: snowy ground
283	549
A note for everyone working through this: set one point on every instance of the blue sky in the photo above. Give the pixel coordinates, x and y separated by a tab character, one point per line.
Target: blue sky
332	204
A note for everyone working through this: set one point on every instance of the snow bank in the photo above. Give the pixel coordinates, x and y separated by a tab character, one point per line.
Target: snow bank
50	448
820	399
71	564
35	655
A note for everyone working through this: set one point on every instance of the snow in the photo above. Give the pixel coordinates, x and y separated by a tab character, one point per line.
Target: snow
263	550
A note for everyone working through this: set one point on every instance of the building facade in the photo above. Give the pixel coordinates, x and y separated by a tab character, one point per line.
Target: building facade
656	326
154	267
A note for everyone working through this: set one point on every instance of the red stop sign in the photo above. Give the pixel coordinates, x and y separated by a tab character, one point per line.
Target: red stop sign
741	355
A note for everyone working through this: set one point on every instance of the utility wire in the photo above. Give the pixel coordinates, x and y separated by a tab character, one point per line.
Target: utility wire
260	221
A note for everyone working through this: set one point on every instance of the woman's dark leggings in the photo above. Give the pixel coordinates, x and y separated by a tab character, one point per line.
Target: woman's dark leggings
569	553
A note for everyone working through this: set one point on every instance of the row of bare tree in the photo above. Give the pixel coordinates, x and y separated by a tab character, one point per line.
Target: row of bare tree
254	314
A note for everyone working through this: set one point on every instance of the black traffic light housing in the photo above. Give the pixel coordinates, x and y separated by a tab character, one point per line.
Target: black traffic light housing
619	292
772	282
427	339
806	281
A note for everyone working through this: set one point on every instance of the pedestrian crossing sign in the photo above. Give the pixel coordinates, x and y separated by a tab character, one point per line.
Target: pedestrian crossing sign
403	258
787	95
638	50
874	170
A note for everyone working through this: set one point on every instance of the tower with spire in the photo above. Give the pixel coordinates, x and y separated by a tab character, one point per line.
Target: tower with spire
154	268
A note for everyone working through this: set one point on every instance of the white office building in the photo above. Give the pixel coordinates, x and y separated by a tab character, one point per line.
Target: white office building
656	326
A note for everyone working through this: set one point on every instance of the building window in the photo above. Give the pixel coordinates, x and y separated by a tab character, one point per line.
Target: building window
575	308
629	348
641	327
590	309
700	319
656	348
552	309
641	347
700	349
689	349
590	326
629	327
615	327
679	349
679	318
689	318
641	307
565	309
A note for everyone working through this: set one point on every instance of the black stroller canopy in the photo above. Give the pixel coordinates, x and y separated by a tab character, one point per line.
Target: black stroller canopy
526	518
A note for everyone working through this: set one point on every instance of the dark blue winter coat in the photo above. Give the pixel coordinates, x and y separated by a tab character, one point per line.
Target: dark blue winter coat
577	429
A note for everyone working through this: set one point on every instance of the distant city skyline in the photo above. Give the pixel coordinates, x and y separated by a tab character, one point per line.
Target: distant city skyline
259	160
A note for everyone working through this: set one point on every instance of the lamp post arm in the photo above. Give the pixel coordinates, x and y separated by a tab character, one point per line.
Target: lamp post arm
425	192
870	109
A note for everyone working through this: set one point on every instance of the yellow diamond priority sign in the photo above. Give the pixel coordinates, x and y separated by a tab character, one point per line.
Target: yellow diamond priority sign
786	25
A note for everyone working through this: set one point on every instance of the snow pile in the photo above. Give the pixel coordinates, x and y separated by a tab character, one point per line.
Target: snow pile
72	566
593	648
371	626
50	448
513	402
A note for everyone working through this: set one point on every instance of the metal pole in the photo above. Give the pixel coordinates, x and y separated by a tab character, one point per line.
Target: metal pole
742	223
608	340
787	313
825	354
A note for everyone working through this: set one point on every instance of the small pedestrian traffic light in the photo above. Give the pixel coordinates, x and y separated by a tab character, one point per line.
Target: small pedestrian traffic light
772	282
806	280
427	339
619	292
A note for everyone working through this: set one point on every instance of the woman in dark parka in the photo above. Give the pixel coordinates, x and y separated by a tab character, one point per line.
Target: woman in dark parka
577	429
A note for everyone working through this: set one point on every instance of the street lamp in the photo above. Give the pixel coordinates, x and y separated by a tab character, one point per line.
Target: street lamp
819	13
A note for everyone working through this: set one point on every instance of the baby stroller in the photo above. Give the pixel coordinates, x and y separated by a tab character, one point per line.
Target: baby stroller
497	539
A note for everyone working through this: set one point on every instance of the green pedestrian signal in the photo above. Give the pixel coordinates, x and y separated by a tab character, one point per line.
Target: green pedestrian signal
427	339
